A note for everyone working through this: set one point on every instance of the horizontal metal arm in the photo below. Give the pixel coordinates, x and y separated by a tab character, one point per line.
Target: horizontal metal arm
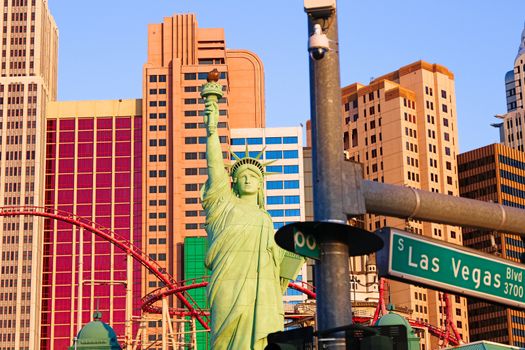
407	202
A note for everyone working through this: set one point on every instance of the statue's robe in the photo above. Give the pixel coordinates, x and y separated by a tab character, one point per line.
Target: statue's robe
244	291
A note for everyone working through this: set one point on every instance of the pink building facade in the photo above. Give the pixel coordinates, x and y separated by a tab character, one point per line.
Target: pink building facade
93	169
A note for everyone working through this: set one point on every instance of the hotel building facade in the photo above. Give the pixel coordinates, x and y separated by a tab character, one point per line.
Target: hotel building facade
93	169
494	173
180	54
402	127
512	123
28	81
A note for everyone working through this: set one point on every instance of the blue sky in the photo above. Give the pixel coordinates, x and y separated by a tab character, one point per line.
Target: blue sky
103	48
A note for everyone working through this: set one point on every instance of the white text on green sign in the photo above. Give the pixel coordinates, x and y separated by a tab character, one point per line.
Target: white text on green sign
456	270
305	245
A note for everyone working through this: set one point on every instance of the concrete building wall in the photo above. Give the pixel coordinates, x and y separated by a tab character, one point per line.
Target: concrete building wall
28	77
402	127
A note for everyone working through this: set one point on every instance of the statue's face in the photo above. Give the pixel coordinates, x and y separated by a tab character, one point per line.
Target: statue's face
248	182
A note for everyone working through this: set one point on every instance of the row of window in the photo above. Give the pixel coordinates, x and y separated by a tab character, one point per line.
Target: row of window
202	76
157	78
276	200
512	191
267	140
511	176
159	142
509	161
157	91
220	125
286	154
193	101
159	128
202	140
279	185
158	257
284	212
278	225
201	113
157	115
283	169
160	158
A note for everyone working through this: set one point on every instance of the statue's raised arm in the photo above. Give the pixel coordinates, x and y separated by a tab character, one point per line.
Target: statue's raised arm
245	289
212	92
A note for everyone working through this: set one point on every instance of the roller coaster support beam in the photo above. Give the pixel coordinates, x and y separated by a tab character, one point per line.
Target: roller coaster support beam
165	320
129	302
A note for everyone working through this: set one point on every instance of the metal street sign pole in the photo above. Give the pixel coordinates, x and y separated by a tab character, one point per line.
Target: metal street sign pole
331	271
438	265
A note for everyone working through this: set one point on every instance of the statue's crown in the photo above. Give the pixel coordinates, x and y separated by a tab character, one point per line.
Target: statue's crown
249	162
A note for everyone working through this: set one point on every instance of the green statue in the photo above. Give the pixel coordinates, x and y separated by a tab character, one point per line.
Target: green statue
249	272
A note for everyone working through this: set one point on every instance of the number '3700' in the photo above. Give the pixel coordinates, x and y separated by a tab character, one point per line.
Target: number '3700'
513	289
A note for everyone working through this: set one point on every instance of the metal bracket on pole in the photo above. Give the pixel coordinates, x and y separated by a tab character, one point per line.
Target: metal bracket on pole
353	198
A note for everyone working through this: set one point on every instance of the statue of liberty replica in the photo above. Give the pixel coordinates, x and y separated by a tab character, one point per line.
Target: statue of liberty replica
249	272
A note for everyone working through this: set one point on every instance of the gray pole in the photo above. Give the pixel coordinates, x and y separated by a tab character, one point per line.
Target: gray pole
331	272
407	202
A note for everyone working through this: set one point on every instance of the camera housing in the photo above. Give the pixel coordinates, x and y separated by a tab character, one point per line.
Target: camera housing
318	43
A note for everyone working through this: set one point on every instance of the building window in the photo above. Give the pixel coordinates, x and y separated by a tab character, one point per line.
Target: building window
162	78
190	76
254	140
291	154
290	140
274	185
152	78
292	212
289	184
273	140
291	169
274	154
237	141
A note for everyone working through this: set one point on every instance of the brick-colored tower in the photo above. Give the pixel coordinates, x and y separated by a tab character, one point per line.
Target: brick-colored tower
403	128
180	54
28	80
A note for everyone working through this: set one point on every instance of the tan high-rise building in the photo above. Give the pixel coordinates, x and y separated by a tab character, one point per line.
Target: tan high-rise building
28	80
180	54
402	127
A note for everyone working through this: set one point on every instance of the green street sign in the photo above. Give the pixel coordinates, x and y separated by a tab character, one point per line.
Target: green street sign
305	245
439	265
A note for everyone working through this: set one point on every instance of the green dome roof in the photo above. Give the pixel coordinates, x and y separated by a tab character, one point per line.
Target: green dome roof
392	319
97	335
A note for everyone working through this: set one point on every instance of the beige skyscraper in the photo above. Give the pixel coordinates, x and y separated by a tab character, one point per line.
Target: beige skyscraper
402	127
28	80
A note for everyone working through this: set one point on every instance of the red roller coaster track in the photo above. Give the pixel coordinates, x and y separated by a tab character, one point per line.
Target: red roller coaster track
172	287
121	243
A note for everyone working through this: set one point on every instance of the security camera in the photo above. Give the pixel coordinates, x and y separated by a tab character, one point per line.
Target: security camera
318	44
